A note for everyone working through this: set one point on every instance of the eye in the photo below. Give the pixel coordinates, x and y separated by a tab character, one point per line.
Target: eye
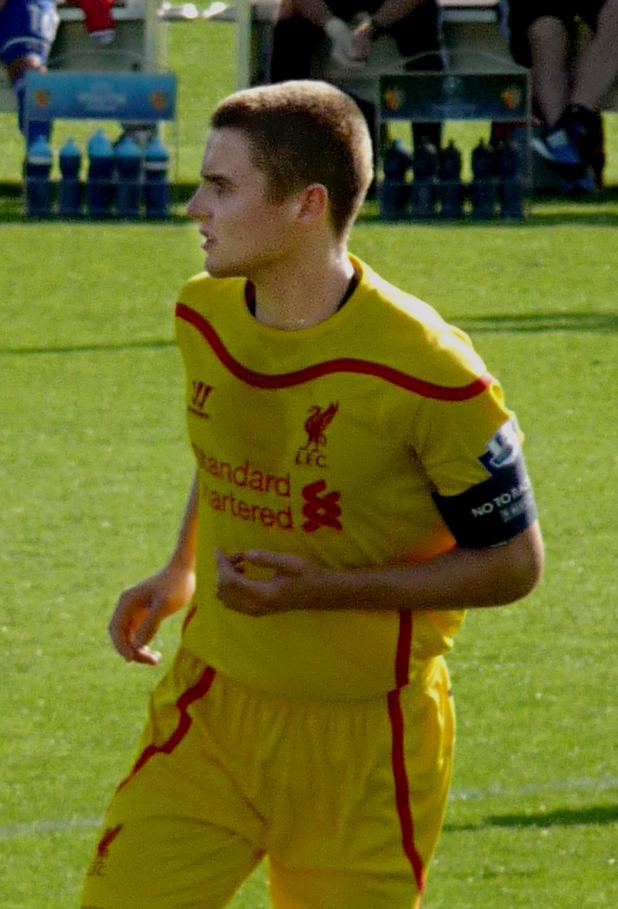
217	185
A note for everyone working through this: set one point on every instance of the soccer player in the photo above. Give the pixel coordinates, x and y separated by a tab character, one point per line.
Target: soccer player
359	484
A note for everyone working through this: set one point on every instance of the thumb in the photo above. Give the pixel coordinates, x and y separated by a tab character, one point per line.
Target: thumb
279	561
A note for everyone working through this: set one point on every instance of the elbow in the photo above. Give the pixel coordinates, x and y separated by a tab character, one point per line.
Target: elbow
527	564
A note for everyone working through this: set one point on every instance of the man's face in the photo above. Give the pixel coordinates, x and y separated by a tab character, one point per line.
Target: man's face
243	231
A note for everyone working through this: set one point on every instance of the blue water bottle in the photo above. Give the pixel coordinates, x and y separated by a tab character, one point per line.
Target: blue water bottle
450	188
395	190
483	182
128	157
69	190
425	166
511	188
100	175
156	187
38	165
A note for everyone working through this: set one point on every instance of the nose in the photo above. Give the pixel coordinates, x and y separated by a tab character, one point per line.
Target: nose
195	206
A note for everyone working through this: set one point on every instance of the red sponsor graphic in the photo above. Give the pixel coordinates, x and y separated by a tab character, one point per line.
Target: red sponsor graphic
98	863
320	510
243	476
317	422
226	503
198	399
315	426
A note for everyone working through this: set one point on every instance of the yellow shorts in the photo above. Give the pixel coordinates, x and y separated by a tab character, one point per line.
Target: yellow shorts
346	798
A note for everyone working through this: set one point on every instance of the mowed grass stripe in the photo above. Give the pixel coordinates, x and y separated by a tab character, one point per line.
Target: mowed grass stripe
67	825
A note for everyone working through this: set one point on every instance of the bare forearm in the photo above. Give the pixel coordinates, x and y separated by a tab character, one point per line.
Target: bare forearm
186	545
392	11
316	11
460	579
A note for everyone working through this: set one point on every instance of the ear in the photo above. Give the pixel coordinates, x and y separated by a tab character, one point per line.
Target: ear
312	204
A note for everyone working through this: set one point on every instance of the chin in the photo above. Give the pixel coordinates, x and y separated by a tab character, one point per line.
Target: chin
222	269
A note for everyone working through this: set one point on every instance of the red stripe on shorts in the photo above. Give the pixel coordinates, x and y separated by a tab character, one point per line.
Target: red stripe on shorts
402	789
184	724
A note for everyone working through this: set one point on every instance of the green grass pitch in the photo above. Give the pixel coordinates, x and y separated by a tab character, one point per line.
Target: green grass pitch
95	468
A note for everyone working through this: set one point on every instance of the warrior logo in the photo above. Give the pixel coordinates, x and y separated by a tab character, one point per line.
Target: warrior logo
109	835
198	399
315	426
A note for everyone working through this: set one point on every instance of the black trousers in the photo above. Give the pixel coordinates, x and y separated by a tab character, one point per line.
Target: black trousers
297	42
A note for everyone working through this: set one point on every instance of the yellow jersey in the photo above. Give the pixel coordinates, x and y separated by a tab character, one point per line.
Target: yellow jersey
328	442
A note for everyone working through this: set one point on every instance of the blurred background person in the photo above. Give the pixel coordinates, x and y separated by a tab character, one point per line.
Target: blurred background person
571	47
27	32
351	27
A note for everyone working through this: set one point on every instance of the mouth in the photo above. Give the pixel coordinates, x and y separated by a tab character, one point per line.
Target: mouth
209	240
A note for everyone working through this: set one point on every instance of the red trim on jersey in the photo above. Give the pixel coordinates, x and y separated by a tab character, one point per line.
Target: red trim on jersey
318	370
402	789
184	724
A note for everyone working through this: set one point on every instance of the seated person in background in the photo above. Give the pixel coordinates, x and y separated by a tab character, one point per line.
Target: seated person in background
27	32
568	98
351	26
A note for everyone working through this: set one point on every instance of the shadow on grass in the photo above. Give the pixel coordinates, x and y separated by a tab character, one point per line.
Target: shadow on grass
595	815
537	322
88	348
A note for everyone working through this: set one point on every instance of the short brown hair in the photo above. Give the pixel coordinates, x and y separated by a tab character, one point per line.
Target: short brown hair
305	132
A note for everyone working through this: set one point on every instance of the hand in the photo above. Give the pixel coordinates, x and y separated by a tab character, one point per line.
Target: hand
341	42
142	608
362	36
296	583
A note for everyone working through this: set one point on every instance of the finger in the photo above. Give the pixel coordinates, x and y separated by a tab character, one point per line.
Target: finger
226	565
147	656
120	629
124	648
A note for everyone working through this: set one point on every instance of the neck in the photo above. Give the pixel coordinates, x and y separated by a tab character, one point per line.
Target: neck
303	289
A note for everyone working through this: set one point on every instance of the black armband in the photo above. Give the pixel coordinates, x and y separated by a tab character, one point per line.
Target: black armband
498	509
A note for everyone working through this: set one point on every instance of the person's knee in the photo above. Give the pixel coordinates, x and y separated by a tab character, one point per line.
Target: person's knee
547	31
607	20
